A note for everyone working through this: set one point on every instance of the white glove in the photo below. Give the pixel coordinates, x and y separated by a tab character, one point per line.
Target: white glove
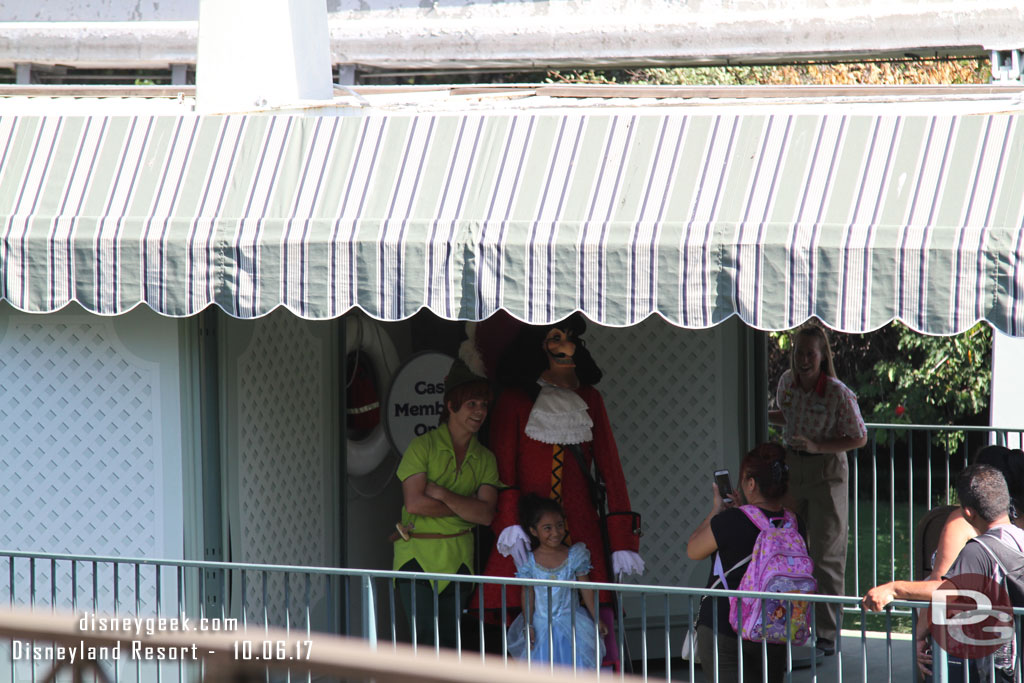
627	562
514	541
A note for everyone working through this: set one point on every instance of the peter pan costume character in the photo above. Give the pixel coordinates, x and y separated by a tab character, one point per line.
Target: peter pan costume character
549	431
449	485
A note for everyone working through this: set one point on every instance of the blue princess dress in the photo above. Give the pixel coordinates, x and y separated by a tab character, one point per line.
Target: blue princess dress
564	601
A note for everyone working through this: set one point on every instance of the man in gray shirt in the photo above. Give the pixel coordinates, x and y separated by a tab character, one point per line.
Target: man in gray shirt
985	500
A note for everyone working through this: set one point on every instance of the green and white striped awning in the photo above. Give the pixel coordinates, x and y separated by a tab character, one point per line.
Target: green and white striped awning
855	219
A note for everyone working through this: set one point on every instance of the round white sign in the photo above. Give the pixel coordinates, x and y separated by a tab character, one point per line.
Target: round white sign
416	398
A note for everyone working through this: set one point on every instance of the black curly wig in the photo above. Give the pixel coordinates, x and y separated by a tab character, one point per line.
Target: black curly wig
525	358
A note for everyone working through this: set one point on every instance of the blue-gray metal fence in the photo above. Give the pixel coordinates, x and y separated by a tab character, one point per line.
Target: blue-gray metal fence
365	603
902	472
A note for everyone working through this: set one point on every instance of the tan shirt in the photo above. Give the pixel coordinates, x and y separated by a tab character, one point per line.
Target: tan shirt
830	414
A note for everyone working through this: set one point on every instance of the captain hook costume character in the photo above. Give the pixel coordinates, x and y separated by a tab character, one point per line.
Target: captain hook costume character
551	436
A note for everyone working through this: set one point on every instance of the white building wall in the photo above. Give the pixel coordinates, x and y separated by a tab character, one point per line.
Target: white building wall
284	48
100	10
677	402
93	448
528	33
280	449
1007	408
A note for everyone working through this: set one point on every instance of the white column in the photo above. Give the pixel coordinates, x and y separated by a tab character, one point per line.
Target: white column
1006	409
254	55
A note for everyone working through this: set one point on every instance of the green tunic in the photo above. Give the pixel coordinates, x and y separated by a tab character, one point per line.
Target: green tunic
434	454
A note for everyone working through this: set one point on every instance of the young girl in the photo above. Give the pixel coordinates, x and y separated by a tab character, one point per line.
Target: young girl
544	521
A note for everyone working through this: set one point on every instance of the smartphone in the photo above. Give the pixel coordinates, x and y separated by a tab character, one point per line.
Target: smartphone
724	487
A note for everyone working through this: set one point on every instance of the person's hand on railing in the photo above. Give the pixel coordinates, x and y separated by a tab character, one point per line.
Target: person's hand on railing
514	541
878	597
627	562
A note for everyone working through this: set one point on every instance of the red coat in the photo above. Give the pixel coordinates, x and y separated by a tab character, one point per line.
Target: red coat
524	465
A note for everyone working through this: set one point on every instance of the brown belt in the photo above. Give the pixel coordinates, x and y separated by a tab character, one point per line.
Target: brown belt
404	533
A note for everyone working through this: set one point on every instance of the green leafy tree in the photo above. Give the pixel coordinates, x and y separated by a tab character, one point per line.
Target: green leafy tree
881	72
933	380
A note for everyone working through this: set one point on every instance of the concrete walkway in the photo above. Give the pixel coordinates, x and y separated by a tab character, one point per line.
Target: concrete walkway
883	664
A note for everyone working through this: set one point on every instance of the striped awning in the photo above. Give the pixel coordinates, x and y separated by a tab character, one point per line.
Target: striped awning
855	219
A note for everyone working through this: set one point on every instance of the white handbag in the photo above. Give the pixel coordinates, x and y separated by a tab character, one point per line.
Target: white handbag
689	650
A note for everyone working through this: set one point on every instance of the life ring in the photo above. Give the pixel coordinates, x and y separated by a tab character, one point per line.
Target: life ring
367	337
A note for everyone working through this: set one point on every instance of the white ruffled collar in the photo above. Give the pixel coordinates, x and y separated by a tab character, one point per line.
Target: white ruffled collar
559	416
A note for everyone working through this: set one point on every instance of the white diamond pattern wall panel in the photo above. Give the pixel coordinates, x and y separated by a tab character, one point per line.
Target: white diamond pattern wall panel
663	397
82	449
281	463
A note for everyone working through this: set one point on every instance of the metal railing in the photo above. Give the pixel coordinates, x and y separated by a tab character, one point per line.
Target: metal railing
916	472
904	471
116	595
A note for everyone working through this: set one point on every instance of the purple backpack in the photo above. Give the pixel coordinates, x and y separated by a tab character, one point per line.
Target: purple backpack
779	563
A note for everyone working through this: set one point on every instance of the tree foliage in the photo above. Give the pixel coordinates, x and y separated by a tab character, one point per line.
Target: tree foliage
879	72
890	72
934	380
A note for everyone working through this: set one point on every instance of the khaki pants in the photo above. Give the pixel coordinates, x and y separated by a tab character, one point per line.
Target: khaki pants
819	491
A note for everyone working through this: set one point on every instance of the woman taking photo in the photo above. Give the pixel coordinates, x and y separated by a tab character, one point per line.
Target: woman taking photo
821	421
730	533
